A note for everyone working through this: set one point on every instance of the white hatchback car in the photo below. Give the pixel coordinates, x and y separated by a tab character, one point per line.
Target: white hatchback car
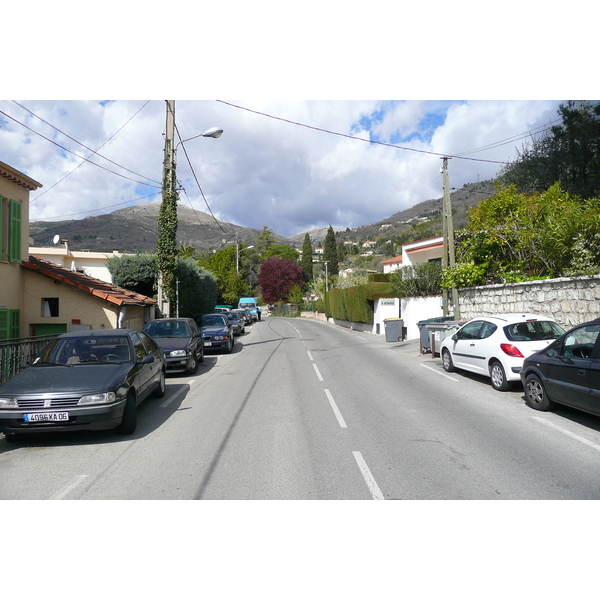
495	346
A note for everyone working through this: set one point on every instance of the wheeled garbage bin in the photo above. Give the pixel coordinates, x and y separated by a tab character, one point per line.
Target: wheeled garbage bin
424	331
394	330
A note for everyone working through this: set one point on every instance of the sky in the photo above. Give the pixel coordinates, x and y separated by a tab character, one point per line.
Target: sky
292	165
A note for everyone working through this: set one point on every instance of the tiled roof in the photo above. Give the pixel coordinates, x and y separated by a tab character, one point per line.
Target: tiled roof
95	287
396	259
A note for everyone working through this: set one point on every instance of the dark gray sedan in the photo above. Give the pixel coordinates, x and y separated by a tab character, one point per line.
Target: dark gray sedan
84	380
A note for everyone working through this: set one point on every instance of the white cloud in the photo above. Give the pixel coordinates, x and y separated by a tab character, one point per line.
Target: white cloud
264	171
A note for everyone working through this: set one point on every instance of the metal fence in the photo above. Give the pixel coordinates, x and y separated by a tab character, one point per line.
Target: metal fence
17	354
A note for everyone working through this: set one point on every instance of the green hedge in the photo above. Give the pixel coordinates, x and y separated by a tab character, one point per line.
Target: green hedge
356	303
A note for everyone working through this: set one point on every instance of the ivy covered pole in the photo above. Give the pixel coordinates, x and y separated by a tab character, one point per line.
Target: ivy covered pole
448	238
166	248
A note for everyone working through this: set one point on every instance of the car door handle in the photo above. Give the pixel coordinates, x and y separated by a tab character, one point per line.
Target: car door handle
581	372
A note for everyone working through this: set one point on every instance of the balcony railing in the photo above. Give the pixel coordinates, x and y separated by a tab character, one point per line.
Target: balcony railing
17	354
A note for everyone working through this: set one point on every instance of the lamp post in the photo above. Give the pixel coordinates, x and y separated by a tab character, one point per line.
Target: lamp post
237	254
166	247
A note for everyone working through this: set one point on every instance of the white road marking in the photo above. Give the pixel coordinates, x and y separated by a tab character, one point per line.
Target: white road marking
177	394
438	372
318	372
336	410
567	432
368	477
309	355
62	493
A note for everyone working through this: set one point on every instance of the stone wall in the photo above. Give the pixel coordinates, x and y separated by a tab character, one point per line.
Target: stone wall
568	300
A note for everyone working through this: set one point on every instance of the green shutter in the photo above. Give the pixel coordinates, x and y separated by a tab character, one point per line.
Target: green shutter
14	231
4	323
10	324
15	324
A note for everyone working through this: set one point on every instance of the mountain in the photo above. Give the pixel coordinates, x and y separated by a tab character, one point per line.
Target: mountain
135	229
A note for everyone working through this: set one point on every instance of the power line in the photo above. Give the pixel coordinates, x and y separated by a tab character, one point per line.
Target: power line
353	137
75	154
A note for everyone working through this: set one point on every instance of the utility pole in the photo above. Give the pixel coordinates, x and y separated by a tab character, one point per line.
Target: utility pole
448	260
326	276
167	223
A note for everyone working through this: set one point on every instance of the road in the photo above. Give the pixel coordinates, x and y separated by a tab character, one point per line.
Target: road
306	410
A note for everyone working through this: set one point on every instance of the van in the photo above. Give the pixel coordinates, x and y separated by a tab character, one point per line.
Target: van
252	306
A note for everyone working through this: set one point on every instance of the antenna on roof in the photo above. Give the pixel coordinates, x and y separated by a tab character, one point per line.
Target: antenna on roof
56	239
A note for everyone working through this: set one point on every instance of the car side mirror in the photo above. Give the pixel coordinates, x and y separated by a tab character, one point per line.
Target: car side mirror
147	360
551	352
454	338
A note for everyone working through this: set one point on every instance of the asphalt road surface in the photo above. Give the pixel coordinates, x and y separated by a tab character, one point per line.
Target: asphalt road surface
306	410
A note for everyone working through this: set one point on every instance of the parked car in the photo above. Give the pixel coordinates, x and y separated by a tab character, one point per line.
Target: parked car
566	372
181	341
245	313
91	379
222	308
217	332
495	346
237	322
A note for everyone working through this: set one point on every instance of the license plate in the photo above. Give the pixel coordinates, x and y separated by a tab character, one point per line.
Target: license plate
49	416
208	343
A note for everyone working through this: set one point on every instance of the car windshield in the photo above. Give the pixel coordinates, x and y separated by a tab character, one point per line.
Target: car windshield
80	350
247	305
164	329
233	316
212	320
529	331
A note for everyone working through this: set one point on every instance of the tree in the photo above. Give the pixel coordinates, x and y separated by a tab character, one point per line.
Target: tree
135	272
196	289
330	253
230	284
276	278
281	251
513	236
264	241
307	260
568	153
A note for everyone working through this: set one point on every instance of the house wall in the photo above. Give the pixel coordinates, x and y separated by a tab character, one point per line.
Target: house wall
11	279
385	308
74	305
568	300
91	263
413	310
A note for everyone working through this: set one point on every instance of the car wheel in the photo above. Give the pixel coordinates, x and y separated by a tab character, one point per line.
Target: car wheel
447	361
201	359
229	346
194	368
159	392
498	377
535	394
129	422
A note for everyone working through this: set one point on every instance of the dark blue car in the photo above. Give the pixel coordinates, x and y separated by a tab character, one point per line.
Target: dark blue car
217	332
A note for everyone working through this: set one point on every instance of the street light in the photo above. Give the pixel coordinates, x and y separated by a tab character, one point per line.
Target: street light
166	248
237	255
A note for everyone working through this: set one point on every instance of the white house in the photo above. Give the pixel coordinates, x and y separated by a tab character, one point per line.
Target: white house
92	264
423	251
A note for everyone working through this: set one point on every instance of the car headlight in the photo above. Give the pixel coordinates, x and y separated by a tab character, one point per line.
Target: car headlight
105	398
178	353
8	403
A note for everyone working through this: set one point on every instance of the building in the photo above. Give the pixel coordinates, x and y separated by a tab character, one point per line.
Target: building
92	264
423	251
392	264
14	241
58	300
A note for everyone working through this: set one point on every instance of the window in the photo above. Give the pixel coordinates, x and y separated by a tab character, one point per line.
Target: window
10	324
580	342
50	307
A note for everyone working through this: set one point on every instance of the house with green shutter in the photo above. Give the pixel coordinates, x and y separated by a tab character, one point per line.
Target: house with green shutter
14	244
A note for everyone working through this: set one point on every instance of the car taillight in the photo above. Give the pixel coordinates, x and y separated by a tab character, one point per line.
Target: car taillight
511	350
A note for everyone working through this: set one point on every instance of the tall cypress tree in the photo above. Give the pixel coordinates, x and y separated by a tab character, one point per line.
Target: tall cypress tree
330	253
307	263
